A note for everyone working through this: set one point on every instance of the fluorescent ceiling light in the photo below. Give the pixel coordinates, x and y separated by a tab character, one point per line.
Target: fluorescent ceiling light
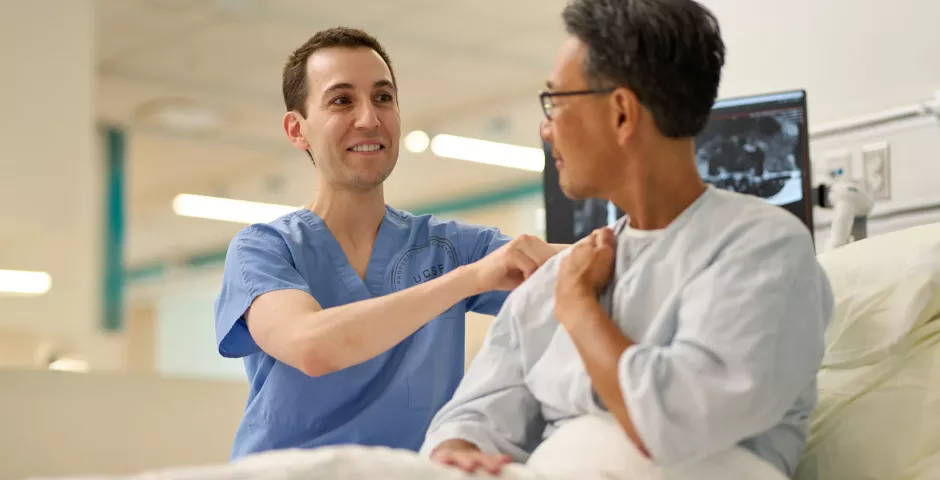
181	114
24	283
227	209
69	365
492	153
417	141
188	119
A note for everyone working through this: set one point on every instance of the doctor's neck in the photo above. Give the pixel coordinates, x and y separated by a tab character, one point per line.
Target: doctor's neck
349	212
659	182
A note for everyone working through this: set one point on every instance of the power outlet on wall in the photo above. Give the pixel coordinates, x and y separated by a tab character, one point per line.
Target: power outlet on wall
876	161
836	165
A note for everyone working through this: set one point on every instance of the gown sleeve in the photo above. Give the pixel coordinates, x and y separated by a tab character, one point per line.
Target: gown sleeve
749	343
492	408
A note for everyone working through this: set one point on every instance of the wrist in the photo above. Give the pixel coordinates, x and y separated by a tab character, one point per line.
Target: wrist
575	304
471	279
574	296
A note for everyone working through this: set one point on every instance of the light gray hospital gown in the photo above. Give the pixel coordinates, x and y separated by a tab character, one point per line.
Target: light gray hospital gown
727	306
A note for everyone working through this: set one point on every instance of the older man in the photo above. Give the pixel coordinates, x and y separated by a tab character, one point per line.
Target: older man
698	321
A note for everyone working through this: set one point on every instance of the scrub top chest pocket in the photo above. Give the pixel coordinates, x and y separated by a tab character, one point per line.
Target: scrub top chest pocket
414	266
423	263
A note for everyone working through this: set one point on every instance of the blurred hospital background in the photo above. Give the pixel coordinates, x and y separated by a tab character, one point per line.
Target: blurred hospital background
127	126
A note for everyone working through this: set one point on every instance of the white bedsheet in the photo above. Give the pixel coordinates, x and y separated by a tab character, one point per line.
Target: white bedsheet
588	448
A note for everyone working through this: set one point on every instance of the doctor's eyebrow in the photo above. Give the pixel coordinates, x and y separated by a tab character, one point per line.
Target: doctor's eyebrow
348	86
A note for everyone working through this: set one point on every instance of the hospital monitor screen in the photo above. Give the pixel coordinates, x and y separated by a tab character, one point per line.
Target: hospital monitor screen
755	145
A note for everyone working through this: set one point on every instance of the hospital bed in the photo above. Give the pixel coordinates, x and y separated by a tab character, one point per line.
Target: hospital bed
878	415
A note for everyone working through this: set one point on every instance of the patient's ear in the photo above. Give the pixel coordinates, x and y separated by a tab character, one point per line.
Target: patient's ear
626	110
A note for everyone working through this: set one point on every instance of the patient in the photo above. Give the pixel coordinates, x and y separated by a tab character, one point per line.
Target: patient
697	321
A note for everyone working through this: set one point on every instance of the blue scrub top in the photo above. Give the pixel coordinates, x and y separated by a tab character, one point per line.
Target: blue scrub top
388	400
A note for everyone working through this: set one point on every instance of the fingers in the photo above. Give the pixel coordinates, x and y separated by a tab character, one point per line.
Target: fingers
495	463
473	461
603	237
492	464
597	247
535	248
523	262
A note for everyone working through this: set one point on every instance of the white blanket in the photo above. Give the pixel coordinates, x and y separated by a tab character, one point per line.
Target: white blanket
588	448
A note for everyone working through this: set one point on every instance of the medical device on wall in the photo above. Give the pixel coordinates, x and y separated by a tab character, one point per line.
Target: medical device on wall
851	204
757	145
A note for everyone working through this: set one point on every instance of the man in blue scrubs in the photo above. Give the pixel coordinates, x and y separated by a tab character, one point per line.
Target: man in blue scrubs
349	314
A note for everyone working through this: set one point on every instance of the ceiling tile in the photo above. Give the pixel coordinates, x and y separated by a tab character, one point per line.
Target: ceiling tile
125	27
157	163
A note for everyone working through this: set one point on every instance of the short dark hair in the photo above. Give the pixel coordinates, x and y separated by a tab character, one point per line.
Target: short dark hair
668	52
294	80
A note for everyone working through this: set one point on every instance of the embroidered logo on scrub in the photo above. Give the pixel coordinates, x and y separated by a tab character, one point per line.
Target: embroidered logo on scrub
424	263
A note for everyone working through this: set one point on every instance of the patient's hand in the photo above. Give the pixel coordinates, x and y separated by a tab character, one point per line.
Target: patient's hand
467	457
584	273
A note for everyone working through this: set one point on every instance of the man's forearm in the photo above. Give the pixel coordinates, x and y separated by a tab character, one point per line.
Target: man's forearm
347	335
601	344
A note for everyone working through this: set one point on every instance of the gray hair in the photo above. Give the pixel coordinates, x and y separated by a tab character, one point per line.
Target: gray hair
668	52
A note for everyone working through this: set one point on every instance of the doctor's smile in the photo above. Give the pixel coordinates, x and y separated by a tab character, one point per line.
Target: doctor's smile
367	147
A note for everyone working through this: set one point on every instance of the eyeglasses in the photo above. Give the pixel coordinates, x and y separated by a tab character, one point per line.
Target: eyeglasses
547	99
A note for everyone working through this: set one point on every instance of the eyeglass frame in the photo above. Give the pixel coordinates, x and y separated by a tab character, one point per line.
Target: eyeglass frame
546	96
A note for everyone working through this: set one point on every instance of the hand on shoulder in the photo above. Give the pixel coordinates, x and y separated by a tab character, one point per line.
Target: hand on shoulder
512	264
584	273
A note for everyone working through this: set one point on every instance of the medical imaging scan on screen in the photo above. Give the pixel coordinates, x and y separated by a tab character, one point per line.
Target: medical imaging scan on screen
591	214
754	154
754	145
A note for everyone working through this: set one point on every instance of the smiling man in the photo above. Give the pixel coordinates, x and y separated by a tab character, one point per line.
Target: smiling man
349	313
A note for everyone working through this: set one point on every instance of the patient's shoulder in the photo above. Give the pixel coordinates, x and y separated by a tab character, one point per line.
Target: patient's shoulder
738	223
752	213
541	285
532	303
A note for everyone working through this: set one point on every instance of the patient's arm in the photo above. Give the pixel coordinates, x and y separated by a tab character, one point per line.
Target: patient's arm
749	342
492	408
601	344
583	274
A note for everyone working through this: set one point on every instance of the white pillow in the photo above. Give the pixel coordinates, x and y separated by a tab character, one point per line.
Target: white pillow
885	287
878	416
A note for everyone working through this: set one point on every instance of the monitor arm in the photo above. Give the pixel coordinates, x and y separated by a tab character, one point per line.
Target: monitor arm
851	205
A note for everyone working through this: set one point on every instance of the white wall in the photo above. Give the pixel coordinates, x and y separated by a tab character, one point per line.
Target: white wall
51	200
56	423
914	172
853	56
185	333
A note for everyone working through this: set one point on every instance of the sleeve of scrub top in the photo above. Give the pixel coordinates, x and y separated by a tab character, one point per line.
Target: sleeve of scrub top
257	262
492	408
476	243
749	342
